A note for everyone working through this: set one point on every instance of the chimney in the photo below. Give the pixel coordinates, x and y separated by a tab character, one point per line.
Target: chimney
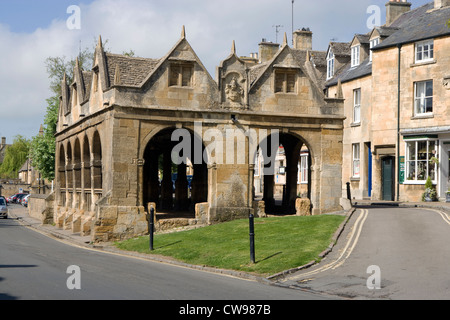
395	8
3	142
303	39
267	50
441	3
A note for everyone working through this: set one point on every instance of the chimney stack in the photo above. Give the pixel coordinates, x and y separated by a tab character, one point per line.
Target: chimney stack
441	3
303	39
267	50
3	142
394	9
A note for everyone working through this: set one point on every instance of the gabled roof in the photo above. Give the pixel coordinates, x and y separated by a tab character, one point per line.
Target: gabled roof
419	24
340	49
133	71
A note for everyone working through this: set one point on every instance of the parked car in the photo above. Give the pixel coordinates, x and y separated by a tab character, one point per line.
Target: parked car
24	201
3	208
19	197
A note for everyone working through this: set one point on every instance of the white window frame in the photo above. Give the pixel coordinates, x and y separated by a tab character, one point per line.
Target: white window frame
417	162
355	55
330	65
421	99
303	169
373	43
424	51
356	160
357	105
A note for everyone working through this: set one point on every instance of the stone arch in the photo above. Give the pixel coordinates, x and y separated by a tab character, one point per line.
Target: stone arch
97	161
86	163
173	177
281	198
77	164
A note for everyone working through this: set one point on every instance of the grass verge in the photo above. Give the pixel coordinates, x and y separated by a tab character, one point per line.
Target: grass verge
281	243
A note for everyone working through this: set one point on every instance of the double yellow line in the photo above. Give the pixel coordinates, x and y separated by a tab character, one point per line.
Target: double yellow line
444	216
346	251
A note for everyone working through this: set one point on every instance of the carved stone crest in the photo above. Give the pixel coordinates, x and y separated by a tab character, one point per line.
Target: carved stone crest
234	92
446	83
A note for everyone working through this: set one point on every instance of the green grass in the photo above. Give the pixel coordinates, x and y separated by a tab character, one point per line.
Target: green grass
280	243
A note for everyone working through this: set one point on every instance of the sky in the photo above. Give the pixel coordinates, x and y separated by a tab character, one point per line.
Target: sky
31	31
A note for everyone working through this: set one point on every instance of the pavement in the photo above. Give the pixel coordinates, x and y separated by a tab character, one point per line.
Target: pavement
21	214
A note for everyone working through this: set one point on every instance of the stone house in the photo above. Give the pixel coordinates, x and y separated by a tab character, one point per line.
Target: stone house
129	119
395	86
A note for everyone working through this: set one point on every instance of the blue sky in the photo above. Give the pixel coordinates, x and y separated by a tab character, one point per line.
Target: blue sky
32	30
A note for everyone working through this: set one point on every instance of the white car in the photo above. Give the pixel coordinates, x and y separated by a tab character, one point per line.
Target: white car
3	208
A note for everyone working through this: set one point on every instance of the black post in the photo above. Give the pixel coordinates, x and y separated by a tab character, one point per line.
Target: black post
151	226
252	238
349	194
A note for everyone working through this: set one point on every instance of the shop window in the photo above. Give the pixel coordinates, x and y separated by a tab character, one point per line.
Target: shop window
421	160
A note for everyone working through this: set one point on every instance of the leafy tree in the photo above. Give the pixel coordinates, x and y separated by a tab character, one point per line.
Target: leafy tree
15	157
43	147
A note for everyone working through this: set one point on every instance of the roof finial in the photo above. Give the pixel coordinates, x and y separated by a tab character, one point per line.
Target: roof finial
100	43
233	47
285	41
183	33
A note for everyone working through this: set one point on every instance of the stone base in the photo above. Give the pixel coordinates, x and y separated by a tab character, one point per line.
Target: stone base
303	207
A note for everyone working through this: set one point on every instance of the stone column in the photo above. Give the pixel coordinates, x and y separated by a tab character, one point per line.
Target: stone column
181	188
166	184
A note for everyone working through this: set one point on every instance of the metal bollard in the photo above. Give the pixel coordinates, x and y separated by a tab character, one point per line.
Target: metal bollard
252	238
151	226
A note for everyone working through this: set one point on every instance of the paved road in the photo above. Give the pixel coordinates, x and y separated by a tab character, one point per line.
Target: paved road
33	266
409	247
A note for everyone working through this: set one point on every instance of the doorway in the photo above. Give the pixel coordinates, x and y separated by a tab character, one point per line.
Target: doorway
388	178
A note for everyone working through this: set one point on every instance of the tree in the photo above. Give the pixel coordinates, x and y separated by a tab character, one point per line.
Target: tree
15	157
42	147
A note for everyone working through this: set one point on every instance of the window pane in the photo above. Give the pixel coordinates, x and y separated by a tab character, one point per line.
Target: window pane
187	75
411	170
422	152
279	80
174	74
411	149
290	82
429	88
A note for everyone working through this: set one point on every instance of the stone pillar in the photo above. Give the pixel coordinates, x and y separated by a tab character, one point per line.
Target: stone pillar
269	181
290	196
151	170
199	185
167	184
181	188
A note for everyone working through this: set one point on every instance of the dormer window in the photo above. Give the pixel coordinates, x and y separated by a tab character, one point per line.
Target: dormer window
425	51
373	43
330	65
285	81
355	56
181	75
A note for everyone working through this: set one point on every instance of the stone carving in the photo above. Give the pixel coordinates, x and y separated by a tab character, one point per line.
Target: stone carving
446	83
234	91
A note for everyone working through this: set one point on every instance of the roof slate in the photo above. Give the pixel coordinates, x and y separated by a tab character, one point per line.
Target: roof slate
419	24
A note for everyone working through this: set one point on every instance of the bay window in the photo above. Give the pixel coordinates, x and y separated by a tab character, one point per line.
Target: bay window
421	160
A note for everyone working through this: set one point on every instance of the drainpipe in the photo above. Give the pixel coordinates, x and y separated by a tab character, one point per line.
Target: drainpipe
399	46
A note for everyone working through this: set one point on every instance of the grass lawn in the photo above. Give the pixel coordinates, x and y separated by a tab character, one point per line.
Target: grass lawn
281	243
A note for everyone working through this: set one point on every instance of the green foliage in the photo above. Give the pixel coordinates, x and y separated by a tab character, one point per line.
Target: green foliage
428	183
43	147
15	157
